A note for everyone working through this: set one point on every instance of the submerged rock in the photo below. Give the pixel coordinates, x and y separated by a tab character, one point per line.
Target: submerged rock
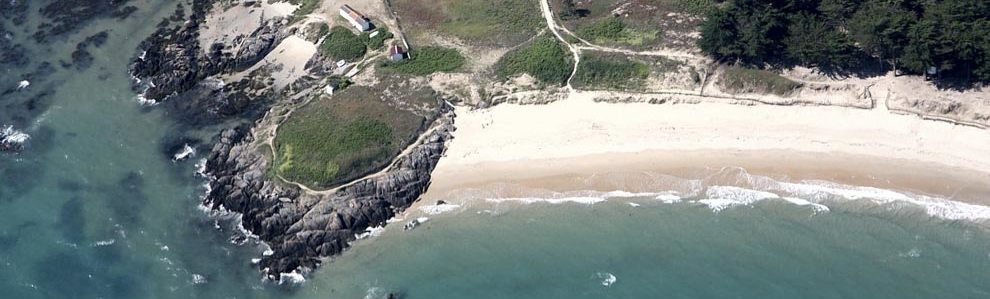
11	139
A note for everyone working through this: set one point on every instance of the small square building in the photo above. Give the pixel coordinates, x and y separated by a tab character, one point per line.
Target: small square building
396	53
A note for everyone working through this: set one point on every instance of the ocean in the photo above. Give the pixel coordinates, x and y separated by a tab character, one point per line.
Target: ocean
96	208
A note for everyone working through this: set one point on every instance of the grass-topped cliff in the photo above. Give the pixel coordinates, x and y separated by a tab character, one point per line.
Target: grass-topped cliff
336	139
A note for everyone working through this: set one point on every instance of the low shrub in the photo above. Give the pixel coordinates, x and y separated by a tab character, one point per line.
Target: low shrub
610	72
343	44
427	60
545	59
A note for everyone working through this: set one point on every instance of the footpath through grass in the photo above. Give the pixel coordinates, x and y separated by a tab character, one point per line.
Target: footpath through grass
544	58
338	139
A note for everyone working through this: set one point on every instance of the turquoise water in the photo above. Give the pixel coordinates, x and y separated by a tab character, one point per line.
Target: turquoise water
682	250
95	209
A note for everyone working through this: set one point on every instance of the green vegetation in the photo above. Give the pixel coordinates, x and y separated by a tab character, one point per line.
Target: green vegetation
334	140
613	30
316	30
610	71
377	42
844	35
339	82
343	44
696	7
427	60
545	59
606	29
744	80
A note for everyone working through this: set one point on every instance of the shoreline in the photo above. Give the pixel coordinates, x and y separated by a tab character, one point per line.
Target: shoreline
552	146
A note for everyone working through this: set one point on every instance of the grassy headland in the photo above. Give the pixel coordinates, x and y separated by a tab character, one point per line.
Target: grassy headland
336	139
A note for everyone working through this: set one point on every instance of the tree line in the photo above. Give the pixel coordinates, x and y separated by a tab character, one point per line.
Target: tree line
855	36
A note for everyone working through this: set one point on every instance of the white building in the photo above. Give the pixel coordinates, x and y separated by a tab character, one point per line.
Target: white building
356	19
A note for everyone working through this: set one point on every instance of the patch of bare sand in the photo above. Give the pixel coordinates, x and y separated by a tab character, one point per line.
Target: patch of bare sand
228	24
286	63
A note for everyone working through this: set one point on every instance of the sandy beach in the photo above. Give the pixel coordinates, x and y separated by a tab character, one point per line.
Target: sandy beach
578	144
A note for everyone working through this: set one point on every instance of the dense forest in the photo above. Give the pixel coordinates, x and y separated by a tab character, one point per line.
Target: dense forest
845	37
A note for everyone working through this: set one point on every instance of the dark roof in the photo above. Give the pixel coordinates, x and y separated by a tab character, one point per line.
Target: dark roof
395	49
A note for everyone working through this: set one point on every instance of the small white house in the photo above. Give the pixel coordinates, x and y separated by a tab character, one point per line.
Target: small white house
356	19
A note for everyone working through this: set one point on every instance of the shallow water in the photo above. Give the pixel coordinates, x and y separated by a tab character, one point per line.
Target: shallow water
650	249
95	209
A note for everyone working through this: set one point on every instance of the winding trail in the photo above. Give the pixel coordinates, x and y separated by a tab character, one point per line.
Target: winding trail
554	28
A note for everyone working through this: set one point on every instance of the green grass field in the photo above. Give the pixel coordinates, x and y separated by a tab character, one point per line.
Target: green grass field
545	59
337	139
610	71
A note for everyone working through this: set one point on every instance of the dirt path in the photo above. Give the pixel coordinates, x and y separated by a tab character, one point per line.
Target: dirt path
554	28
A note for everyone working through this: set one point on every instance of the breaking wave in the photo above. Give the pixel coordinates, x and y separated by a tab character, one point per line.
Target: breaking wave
730	188
12	139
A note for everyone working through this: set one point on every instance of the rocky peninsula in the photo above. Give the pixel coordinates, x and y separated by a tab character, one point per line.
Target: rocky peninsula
242	71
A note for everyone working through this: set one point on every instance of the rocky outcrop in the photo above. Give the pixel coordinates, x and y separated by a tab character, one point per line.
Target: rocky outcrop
302	228
172	60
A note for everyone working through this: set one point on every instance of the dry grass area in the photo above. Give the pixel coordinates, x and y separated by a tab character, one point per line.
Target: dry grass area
477	23
647	24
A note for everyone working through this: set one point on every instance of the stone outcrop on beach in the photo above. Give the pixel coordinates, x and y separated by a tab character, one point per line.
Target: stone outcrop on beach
303	227
173	61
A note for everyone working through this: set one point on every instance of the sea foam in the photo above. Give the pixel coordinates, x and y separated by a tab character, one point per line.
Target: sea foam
9	137
531	200
933	206
719	198
439	209
607	279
